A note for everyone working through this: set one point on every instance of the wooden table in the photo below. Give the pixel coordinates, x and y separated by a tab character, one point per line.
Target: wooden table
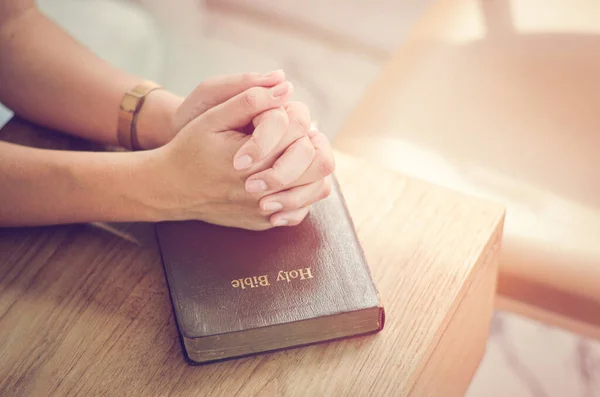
84	309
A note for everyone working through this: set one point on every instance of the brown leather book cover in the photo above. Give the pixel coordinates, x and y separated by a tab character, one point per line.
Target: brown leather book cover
237	292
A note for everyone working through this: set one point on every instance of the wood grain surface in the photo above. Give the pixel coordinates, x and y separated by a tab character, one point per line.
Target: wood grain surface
84	309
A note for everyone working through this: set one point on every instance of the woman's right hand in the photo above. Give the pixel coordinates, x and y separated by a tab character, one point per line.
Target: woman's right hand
193	176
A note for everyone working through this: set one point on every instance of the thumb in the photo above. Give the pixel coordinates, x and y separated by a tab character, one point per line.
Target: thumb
218	89
240	110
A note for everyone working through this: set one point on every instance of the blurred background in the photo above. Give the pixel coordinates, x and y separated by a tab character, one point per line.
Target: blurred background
331	51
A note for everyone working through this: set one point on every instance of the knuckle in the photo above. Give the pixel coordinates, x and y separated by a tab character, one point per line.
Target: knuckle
200	93
300	122
251	98
306	147
204	86
197	110
298	107
257	120
293	203
256	148
248	78
277	180
279	118
326	166
276	176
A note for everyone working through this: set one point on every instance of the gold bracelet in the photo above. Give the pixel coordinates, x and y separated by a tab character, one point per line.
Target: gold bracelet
130	106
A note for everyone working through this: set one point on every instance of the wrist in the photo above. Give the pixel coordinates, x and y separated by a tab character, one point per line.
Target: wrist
151	185
155	126
117	186
143	185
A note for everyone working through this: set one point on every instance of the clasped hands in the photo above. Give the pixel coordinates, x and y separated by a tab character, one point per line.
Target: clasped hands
216	171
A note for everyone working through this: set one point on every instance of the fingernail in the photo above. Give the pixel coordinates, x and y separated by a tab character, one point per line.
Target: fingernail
256	185
280	89
281	222
242	162
272	206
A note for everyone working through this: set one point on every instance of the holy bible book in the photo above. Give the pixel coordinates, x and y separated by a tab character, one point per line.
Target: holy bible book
238	292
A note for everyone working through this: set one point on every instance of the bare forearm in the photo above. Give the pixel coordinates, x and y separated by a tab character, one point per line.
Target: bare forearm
49	78
39	187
